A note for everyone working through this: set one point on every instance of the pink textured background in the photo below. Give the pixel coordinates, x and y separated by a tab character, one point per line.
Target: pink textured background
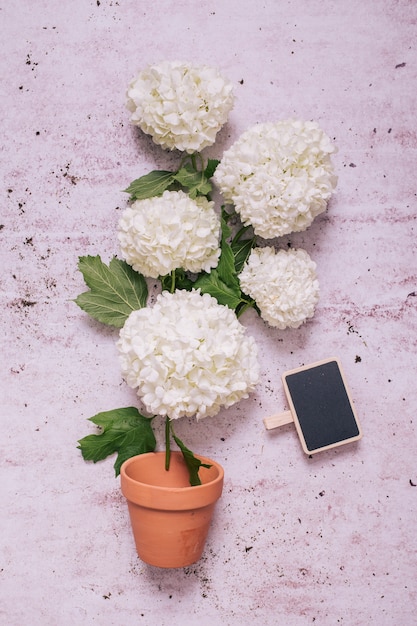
327	540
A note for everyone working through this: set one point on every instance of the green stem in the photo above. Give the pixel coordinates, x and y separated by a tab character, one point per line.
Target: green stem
172	281
167	443
244	305
193	159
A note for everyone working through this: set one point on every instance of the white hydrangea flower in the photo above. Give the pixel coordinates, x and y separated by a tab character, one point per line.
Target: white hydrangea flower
160	234
279	176
187	355
179	105
284	285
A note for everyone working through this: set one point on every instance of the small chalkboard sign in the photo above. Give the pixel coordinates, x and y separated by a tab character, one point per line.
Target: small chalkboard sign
320	406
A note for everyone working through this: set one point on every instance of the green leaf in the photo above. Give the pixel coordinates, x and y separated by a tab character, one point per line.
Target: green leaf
211	167
226	265
152	184
196	182
222	282
241	249
115	290
216	287
192	462
124	431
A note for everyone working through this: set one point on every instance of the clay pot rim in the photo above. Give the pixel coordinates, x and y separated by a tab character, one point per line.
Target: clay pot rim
204	459
173	498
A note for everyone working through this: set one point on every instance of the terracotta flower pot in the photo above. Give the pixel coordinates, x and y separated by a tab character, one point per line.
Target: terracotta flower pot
170	519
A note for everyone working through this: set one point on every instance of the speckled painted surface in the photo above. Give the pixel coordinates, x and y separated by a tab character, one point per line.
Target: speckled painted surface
327	540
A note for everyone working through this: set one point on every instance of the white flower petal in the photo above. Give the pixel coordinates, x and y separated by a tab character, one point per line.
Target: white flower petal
187	355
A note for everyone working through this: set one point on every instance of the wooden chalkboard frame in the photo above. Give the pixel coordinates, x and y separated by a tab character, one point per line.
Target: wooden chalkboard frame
324	384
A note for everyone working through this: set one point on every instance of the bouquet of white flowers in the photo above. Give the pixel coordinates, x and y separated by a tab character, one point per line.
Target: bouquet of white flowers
187	354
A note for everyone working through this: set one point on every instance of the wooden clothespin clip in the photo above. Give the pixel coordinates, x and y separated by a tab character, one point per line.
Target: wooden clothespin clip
277	420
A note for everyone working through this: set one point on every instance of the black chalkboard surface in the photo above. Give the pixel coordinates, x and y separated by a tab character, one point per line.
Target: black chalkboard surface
321	406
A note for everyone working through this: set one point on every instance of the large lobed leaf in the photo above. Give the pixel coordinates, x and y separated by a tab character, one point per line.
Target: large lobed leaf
124	431
115	290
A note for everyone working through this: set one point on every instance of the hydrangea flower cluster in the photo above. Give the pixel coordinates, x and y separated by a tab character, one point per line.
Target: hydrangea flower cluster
160	234
179	105
284	285
279	176
187	355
